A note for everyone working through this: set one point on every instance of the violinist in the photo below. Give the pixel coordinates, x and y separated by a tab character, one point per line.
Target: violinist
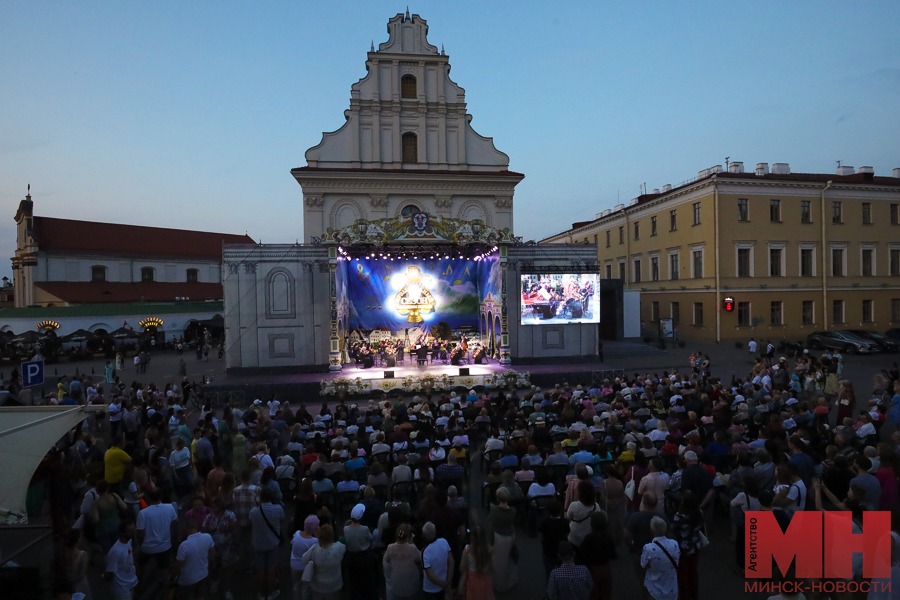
479	355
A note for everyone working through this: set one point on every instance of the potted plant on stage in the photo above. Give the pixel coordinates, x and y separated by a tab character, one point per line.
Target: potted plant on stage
511	378
427	381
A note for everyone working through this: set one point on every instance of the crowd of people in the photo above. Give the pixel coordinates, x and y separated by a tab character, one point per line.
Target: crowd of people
430	497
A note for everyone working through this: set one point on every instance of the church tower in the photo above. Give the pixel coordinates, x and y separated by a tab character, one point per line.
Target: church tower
407	145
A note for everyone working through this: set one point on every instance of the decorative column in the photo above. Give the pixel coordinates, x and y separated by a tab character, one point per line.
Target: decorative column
334	353
505	354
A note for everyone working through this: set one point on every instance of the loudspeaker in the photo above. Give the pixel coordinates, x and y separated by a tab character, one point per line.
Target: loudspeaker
464	371
388	374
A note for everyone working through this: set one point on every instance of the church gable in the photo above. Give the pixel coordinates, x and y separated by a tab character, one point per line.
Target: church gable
407	113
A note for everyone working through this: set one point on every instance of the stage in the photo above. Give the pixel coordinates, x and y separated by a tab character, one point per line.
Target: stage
411	369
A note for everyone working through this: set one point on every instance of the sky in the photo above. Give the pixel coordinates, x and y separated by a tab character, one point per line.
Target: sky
191	114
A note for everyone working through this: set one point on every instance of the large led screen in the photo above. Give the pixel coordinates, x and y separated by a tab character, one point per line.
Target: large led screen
560	298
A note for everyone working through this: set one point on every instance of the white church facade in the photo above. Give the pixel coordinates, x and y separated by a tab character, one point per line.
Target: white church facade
406	148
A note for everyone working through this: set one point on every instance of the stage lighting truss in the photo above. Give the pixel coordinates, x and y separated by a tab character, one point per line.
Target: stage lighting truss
399	252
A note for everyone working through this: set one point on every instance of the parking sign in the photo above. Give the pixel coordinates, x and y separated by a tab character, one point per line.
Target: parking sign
32	373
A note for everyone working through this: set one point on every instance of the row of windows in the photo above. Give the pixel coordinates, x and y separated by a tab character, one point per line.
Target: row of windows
837	212
837	216
674	267
776	312
98	274
673	225
777	266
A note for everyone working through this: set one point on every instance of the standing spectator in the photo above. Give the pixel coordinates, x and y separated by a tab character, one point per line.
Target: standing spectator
116	412
105	516
476	564
265	520
402	563
120	570
192	562
204	455
660	559
503	523
358	540
569	581
554	530
696	479
687	530
156	529
437	562
866	481
596	551
752	346
580	512
222	525
638	532
656	481
325	560
304	539
115	462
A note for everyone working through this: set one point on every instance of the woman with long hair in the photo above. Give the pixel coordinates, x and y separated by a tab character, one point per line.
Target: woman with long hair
596	551
326	556
580	512
846	401
402	563
687	529
503	523
304	539
476	565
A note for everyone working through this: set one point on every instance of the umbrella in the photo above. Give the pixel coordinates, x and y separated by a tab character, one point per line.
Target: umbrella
29	337
79	335
123	332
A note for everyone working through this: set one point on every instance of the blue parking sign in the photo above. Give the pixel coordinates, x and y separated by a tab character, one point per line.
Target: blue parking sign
32	373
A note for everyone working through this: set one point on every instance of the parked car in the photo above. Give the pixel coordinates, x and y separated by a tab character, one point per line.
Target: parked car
841	340
893	333
884	344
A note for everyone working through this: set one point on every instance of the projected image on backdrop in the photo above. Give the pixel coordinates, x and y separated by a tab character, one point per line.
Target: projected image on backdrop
560	298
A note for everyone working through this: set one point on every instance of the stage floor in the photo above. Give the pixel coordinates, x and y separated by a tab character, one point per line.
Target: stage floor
405	370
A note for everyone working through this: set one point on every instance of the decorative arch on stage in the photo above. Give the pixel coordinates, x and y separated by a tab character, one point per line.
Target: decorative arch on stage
418	277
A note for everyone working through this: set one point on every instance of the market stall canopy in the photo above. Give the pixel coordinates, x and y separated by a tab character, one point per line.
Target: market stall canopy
26	435
123	332
79	335
29	337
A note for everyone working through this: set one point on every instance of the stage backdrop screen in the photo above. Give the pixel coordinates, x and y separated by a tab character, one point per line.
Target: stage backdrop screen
560	298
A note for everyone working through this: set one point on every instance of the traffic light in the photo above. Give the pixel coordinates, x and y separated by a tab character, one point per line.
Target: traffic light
728	304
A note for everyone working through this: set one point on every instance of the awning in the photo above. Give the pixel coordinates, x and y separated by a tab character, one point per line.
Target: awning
26	435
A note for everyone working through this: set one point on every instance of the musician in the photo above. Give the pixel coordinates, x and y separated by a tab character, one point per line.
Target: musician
479	355
456	355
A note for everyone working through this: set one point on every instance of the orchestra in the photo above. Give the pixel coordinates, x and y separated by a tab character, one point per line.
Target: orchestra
389	353
548	297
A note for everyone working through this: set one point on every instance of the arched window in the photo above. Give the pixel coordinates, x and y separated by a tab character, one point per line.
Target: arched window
410	148
98	273
408	87
280	294
193	275
147	274
409	210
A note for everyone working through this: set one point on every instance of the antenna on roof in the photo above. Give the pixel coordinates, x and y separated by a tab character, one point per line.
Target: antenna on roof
407	13
372	49
726	162
838	162
29	188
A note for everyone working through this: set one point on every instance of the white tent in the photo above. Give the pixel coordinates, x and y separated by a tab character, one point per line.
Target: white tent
26	434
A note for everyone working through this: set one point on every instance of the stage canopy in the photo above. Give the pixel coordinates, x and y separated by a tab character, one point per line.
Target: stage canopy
26	434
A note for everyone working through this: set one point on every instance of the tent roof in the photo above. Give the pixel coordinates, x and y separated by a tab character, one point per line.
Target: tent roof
26	435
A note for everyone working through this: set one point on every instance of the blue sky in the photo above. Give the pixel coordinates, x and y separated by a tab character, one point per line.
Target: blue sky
191	115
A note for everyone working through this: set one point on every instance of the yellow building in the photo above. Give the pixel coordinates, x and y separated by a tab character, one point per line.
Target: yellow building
796	252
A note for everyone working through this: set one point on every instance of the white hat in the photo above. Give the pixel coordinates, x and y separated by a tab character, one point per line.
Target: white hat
257	401
690	455
358	511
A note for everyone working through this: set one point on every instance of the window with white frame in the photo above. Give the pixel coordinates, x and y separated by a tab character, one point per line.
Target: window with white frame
808	315
807	260
895	310
674	266
675	312
622	270
654	312
609	270
654	268
743	314
867	260
895	261
696	263
868	311
838	260
698	313
637	270
776	313
777	258
837	311
744	259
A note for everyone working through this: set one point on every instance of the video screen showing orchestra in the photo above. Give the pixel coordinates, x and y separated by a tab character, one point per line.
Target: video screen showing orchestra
560	298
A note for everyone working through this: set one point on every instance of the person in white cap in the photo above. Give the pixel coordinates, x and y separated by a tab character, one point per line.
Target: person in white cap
360	572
